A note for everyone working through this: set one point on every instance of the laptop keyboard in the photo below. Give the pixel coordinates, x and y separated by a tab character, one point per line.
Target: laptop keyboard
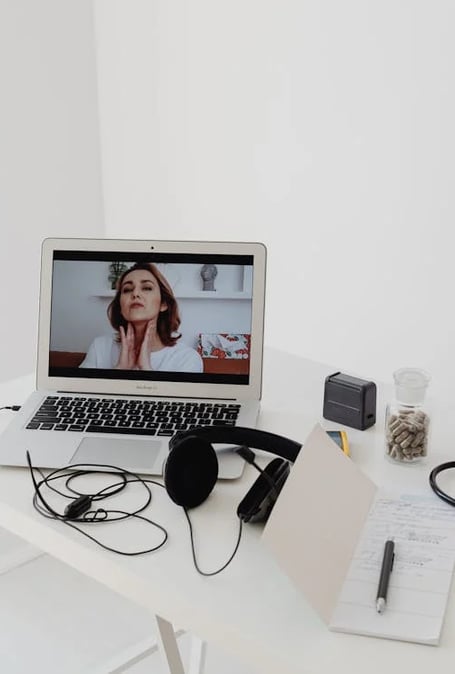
129	416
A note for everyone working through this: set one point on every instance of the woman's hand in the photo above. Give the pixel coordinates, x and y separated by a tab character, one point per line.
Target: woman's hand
143	359
127	360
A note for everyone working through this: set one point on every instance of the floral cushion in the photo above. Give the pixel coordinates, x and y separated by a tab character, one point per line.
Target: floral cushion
224	345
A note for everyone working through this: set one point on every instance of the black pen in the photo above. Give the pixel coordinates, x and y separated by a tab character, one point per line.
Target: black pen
386	569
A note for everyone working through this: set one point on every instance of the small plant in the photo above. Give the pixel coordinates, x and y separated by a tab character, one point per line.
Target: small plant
116	269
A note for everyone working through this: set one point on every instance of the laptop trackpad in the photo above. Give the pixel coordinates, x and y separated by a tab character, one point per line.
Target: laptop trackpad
121	453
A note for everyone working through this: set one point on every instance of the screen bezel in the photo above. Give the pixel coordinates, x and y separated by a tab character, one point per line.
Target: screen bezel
250	391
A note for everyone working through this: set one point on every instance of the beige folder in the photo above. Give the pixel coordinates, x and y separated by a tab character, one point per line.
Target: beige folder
316	523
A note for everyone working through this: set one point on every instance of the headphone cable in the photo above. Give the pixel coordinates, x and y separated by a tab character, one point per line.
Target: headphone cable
80	510
84	515
193	551
249	456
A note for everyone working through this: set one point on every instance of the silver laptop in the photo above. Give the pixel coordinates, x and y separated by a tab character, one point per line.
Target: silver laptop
138	340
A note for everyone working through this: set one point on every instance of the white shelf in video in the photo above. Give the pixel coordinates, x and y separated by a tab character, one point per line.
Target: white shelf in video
195	295
214	295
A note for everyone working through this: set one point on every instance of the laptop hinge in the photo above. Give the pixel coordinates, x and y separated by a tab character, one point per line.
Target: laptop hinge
140	395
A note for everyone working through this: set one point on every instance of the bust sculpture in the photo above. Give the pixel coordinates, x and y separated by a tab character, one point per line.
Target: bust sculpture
208	274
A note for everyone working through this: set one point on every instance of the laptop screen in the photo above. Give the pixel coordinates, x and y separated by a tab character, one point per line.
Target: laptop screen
176	317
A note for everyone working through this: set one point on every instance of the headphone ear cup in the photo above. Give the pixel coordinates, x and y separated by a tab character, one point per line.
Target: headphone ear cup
191	471
259	500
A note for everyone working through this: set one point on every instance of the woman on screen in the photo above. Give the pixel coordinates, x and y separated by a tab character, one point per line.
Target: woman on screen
145	315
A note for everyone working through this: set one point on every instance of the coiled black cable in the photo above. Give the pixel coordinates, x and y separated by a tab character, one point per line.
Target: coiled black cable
82	512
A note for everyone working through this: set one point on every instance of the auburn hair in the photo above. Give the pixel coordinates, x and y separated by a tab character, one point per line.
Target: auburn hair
168	321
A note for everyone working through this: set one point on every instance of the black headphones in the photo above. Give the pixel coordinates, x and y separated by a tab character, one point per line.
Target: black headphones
191	468
434	485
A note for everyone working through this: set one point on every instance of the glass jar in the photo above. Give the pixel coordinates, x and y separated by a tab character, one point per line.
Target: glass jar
407	421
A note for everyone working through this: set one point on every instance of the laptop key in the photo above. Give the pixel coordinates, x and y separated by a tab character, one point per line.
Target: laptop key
118	429
32	426
49	420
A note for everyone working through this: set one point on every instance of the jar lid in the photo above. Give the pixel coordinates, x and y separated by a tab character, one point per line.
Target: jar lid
411	384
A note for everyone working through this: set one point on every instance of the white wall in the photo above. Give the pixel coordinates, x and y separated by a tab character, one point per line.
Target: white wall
50	181
324	129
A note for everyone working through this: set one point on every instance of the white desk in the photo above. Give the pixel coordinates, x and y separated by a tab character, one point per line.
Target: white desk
251	607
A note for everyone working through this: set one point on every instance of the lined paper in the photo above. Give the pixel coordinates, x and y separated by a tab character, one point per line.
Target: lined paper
423	528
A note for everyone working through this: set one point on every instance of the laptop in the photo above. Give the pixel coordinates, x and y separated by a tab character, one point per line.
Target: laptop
138	340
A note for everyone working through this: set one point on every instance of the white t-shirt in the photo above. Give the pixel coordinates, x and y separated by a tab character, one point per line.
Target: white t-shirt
104	352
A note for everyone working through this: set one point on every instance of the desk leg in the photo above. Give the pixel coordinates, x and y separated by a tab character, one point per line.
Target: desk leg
167	644
197	656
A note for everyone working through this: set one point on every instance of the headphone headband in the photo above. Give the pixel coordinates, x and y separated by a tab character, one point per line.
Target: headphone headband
240	435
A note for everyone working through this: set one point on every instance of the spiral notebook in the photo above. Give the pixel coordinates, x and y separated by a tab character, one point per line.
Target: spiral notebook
337	522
